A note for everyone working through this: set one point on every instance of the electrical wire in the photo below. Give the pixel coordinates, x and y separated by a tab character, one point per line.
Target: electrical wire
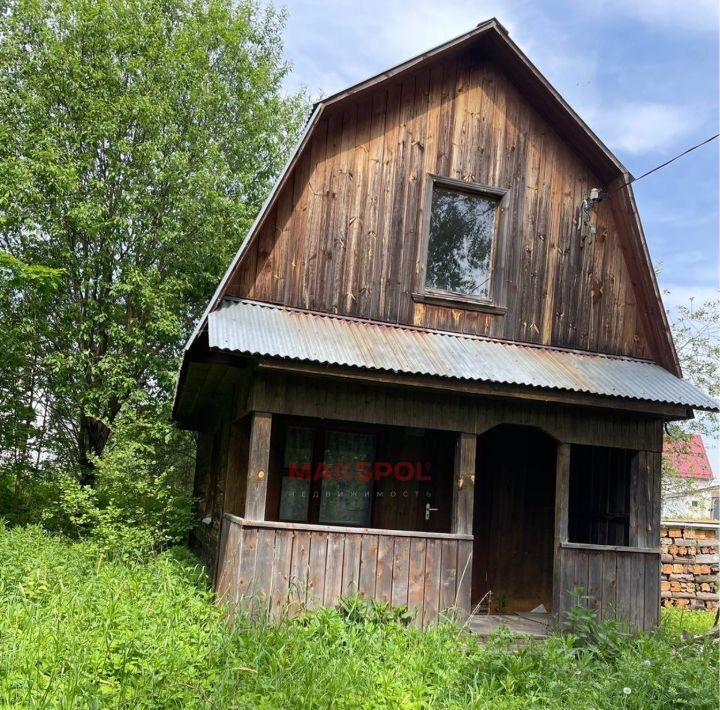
667	162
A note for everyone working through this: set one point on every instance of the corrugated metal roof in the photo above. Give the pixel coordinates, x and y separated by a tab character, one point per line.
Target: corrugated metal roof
262	329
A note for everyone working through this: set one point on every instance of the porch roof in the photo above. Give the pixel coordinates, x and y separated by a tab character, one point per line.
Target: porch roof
267	330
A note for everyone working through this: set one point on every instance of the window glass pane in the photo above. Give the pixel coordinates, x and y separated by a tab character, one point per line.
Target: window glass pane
461	232
346	499
294	499
298	446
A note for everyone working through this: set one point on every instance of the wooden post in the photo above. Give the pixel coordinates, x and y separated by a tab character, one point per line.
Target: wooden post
562	505
464	484
258	460
644	527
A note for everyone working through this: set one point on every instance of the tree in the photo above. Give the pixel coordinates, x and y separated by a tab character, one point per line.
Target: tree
137	140
26	293
696	332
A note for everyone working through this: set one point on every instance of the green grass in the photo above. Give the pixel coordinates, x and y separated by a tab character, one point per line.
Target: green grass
78	630
675	621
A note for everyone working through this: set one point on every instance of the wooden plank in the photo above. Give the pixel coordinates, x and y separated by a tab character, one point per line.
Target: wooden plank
609	548
637	592
317	568
299	571
562	498
384	574
275	525
580	580
401	571
282	558
639	503
623	606
595	581
246	572
262	584
609	585
229	562
463	600
565	598
368	565
654	462
563	421
258	465
448	573
351	565
431	592
651	615
416	579
464	484
334	569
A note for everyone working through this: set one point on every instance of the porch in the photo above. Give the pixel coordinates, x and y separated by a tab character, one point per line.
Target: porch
528	502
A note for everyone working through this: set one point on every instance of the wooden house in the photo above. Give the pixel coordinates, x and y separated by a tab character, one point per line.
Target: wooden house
439	365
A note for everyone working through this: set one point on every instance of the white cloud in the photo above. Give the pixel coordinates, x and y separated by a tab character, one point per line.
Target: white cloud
694	16
645	127
675	295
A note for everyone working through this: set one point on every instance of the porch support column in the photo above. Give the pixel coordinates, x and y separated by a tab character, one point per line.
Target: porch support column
645	473
258	461
562	503
464	484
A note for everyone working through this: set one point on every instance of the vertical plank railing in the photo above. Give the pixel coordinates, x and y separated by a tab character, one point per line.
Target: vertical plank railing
283	569
618	582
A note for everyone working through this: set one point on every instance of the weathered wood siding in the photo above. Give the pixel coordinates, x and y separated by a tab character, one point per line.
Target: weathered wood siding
621	583
375	404
345	234
283	568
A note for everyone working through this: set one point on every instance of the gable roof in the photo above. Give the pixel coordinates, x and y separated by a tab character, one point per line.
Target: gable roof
689	458
492	38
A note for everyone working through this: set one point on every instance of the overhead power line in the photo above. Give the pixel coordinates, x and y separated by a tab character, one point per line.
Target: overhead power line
667	162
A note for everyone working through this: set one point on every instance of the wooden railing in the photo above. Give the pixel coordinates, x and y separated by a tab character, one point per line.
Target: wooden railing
285	568
621	582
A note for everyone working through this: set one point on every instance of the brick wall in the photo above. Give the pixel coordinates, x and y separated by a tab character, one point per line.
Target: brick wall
690	565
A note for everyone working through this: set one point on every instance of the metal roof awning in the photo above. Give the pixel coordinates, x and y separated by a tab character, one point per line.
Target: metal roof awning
266	330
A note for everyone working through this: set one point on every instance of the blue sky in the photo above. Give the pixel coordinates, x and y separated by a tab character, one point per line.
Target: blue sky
642	73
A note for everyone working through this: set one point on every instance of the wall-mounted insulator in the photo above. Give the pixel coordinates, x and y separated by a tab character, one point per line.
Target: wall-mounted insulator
587	228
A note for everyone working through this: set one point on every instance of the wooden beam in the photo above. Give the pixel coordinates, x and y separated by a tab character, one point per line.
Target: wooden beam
562	506
516	392
258	462
464	484
344	529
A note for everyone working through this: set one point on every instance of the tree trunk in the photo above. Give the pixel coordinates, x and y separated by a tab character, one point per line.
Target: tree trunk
92	439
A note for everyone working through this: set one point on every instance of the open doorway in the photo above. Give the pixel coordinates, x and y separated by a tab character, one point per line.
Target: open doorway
514	518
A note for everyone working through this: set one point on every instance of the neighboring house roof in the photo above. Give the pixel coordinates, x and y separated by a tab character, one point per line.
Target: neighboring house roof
492	38
689	458
262	329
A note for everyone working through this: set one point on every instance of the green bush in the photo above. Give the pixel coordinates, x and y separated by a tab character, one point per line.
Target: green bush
80	630
140	501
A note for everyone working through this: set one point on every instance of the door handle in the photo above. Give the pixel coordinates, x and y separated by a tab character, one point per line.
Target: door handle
429	510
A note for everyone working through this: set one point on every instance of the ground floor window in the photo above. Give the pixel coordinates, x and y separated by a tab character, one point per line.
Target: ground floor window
346	473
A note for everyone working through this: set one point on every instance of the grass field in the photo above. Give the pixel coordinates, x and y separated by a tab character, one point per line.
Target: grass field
83	631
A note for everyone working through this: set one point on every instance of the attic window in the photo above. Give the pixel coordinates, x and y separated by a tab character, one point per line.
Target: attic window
461	239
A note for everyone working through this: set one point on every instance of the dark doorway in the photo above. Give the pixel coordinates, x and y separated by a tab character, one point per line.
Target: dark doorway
514	518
